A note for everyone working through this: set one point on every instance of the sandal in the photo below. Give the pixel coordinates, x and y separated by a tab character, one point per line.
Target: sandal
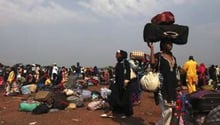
123	117
106	116
137	102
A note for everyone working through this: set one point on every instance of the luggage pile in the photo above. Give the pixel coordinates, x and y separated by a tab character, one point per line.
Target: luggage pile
204	100
162	28
45	101
203	108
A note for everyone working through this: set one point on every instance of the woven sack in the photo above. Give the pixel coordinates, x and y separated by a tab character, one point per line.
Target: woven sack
150	81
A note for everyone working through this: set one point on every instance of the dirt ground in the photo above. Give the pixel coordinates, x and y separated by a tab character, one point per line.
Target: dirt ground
146	113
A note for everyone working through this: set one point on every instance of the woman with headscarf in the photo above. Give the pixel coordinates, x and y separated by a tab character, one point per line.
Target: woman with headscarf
120	98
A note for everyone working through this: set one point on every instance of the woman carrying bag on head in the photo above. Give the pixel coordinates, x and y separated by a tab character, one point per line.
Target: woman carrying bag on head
165	63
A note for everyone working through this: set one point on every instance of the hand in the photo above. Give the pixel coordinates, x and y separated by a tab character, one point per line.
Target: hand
126	83
150	44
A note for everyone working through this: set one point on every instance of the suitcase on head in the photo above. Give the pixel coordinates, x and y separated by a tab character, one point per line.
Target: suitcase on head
178	34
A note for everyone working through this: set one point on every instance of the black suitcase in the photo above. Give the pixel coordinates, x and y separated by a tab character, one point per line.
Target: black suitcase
204	100
178	34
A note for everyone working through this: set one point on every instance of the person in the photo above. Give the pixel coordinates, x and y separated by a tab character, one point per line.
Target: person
37	73
191	66
202	72
135	81
78	70
165	63
1	75
181	77
63	77
55	70
10	81
212	73
120	98
217	73
105	76
95	71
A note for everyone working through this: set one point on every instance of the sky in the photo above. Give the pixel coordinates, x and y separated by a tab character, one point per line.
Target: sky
91	31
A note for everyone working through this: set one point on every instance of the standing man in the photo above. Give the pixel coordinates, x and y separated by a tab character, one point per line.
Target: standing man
54	74
190	67
78	70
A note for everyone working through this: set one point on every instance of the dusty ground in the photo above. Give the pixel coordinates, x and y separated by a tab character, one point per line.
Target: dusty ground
146	113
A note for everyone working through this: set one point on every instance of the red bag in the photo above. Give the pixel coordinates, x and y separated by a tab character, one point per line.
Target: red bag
165	17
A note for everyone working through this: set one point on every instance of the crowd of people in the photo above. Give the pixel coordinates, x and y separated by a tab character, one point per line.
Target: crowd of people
125	91
13	78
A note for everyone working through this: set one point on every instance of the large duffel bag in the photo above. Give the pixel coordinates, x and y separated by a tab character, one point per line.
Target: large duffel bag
59	101
41	109
178	34
44	96
28	106
204	100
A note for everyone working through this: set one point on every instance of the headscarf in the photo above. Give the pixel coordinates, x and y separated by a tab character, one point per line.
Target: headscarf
124	54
